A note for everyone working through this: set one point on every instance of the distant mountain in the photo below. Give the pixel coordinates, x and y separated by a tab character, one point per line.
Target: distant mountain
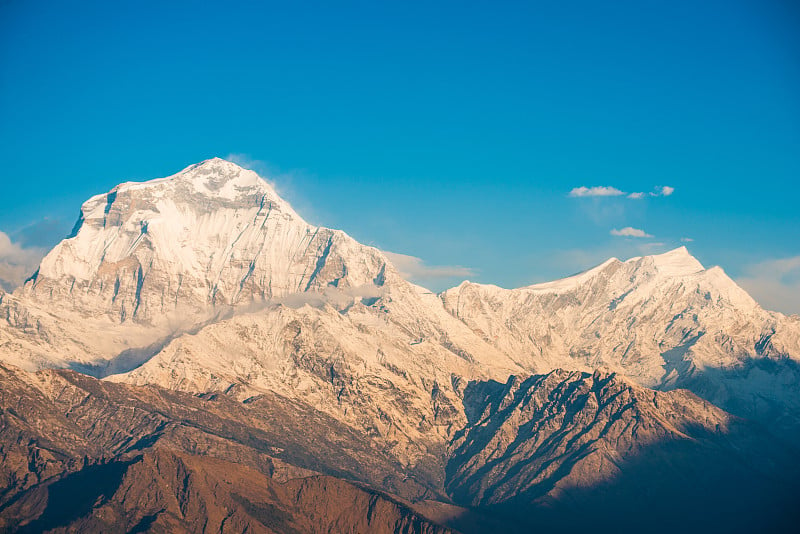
230	334
664	321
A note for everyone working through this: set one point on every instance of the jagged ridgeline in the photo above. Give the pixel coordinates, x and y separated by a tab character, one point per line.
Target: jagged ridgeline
196	357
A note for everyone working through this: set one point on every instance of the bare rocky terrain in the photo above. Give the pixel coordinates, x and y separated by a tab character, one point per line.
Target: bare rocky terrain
81	454
570	450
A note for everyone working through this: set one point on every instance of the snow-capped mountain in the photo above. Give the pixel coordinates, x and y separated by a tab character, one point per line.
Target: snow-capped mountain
207	281
658	319
150	261
207	284
664	321
213	235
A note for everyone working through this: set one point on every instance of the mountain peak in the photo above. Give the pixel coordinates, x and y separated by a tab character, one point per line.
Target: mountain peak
219	166
676	262
214	177
214	234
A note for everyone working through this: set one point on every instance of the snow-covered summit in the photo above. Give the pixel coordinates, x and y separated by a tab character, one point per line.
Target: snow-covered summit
676	262
214	178
213	234
657	318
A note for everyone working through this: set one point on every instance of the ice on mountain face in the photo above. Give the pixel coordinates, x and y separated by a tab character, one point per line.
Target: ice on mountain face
676	262
153	261
212	235
626	315
664	321
571	282
213	177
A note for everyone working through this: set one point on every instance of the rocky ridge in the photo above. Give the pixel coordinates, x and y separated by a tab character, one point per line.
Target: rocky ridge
665	321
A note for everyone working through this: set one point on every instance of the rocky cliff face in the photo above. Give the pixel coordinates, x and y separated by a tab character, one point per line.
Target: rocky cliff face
566	450
80	454
570	450
165	491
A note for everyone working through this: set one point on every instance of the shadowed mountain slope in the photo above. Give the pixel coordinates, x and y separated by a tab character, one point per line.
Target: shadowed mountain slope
575	450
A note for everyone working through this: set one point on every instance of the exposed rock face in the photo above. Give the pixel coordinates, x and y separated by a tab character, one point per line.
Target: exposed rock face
164	491
549	451
354	373
574	450
58	419
91	456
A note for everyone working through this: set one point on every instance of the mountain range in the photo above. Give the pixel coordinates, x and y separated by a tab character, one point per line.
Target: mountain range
196	357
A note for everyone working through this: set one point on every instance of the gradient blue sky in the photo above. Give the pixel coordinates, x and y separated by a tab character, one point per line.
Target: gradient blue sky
449	131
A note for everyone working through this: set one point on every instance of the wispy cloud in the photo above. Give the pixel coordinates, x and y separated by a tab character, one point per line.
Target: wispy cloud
686	240
609	191
415	269
775	284
282	181
597	191
16	262
630	232
662	191
268	172
243	160
43	233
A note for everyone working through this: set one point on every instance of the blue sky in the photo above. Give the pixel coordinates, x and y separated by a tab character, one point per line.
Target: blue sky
452	132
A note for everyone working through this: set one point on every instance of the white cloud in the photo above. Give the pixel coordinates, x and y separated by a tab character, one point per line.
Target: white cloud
775	284
686	240
597	191
414	268
269	173
336	297
284	182
609	191
243	160
663	191
16	262
630	232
